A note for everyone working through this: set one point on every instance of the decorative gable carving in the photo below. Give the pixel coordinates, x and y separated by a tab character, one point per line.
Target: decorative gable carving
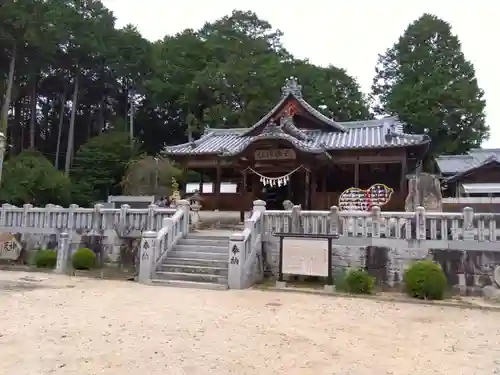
292	87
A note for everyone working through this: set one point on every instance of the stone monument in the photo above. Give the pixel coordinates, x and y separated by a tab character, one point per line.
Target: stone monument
424	190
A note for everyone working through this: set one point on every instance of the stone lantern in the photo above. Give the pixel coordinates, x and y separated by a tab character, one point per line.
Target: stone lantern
195	203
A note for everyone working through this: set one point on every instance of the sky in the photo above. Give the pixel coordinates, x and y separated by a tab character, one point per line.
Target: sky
347	34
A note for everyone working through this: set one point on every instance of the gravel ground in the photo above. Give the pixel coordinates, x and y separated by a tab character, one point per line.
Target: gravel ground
59	325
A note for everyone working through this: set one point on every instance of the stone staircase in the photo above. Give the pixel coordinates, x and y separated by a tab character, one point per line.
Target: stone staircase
197	261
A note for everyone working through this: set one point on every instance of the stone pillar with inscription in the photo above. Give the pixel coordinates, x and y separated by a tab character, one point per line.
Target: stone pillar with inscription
147	256
63	254
236	261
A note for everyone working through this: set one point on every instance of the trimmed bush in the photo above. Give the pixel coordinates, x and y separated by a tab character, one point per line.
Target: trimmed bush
84	259
425	280
358	281
45	258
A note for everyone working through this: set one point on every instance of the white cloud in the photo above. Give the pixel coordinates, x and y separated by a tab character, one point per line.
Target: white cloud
348	34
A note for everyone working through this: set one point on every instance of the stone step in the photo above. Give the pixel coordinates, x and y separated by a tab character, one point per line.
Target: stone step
186	276
189	284
211	235
183	268
198	255
173	261
202	248
194	241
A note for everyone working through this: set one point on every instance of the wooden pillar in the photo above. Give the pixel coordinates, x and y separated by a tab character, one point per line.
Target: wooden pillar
402	188
324	179
200	188
356	175
313	190
243	193
324	196
217	185
307	190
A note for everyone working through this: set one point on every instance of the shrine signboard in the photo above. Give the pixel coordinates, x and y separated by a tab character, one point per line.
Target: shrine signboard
275	154
305	257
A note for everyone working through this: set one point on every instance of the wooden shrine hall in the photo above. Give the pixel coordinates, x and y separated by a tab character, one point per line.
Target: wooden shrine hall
296	153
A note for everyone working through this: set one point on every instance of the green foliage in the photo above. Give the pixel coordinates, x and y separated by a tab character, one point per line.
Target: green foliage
356	281
99	166
226	74
150	176
45	259
426	79
30	178
84	259
425	280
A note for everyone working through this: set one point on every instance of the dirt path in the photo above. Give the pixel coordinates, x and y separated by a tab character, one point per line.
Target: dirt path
57	325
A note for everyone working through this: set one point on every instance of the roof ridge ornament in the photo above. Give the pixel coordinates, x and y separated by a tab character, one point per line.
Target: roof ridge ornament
291	87
272	128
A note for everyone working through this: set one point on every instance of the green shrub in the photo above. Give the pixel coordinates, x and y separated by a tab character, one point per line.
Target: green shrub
339	278
425	280
45	258
358	281
84	259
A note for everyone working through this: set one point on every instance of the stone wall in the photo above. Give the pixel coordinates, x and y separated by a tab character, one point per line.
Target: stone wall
388	264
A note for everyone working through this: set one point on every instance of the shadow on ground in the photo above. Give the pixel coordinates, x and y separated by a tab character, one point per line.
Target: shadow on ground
26	284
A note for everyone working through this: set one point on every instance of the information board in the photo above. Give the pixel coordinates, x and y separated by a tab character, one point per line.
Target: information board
305	257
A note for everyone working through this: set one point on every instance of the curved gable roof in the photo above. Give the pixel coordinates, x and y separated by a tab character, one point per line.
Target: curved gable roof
292	90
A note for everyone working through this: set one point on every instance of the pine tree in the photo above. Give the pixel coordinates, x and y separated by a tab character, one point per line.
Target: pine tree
426	80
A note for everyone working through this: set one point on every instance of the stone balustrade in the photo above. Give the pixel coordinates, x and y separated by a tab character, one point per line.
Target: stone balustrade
53	219
438	229
466	244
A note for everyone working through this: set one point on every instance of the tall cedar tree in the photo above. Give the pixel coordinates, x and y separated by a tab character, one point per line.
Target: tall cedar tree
426	80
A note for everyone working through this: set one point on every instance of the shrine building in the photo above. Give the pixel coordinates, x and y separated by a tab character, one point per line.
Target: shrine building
296	153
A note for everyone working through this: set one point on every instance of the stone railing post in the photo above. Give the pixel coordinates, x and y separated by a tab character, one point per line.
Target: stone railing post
260	206
147	254
152	221
296	225
334	219
420	224
98	218
72	217
468	226
183	204
63	254
122	226
3	214
376	221
235	272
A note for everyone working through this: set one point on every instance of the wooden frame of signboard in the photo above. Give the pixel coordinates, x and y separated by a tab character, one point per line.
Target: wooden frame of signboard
291	269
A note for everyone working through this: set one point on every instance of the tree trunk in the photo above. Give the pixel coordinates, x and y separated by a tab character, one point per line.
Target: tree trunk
33	115
6	104
101	120
102	103
59	128
71	135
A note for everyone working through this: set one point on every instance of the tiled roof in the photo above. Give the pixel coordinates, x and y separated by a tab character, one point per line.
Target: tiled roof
453	164
382	133
492	159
